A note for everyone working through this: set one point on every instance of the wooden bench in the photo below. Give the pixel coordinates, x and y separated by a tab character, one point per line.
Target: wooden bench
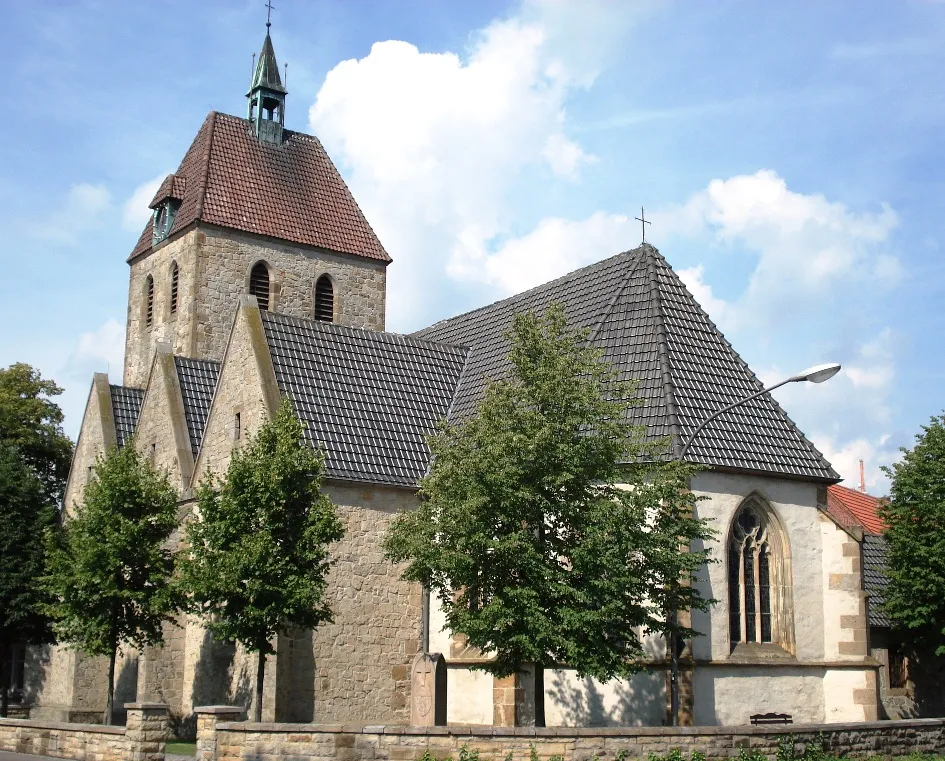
771	718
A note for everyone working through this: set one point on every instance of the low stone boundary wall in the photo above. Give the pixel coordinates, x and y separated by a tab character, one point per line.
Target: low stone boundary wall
143	738
227	741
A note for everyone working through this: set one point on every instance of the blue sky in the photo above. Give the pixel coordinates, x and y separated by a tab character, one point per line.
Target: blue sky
790	156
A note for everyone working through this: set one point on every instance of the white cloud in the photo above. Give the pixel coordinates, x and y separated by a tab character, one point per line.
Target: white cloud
804	246
434	141
135	212
83	209
102	350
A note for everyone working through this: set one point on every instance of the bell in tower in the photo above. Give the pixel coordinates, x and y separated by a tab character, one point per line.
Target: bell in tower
266	96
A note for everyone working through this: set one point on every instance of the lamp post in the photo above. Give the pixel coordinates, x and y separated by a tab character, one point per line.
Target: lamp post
816	374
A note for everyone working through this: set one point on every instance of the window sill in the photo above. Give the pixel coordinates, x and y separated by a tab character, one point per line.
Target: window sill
763	652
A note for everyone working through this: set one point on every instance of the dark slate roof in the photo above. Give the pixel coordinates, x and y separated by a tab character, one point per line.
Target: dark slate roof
198	379
290	191
368	398
874	579
652	330
126	406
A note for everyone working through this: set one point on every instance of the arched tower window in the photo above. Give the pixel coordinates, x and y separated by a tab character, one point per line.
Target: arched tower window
149	302
259	284
759	578
324	300
175	279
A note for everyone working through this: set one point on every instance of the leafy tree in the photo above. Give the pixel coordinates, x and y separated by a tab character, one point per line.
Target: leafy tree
915	532
110	569
258	544
26	515
541	542
32	422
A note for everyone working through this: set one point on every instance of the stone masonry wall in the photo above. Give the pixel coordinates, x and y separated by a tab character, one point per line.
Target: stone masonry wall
96	435
176	329
358	668
273	742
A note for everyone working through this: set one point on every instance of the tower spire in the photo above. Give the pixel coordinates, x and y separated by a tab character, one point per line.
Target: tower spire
266	108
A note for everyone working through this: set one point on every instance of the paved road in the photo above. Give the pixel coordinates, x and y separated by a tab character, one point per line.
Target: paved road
6	756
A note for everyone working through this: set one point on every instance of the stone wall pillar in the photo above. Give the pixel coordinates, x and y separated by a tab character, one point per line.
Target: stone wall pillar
207	719
146	731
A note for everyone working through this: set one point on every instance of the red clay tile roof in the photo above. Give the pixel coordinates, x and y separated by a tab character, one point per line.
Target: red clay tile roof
174	186
292	191
843	502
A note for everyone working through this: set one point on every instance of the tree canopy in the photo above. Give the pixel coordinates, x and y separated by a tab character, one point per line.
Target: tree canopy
258	544
32	422
915	532
110	569
26	516
547	528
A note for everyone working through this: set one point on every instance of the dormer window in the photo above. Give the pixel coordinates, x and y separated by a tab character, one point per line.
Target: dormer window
164	215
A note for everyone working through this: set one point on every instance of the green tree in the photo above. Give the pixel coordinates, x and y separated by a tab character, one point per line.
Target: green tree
258	545
110	568
32	422
26	516
546	528
915	532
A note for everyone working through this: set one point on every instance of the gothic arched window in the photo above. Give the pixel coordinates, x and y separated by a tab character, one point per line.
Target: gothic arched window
324	299
759	578
259	284
175	281
149	302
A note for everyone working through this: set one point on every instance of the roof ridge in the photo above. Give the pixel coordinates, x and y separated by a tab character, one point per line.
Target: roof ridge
205	179
608	310
662	350
522	294
338	327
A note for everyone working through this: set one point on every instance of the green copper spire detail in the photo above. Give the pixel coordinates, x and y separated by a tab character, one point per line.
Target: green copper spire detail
266	108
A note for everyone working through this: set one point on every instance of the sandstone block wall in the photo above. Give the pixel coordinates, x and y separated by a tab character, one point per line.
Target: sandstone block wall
273	742
214	266
96	435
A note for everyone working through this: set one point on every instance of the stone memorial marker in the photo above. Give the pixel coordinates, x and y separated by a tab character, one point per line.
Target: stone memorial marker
428	690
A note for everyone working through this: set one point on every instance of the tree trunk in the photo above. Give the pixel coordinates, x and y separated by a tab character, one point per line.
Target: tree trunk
110	702
260	676
4	682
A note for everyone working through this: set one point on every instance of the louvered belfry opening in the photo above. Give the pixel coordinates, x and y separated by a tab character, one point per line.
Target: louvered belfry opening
175	277
324	300
259	284
149	307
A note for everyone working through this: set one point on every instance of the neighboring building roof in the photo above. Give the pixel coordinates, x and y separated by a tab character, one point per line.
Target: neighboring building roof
864	508
290	191
874	579
652	330
126	406
369	398
198	379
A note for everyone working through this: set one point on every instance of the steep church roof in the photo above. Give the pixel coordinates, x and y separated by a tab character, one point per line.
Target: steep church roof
126	406
368	398
653	331
290	191
198	380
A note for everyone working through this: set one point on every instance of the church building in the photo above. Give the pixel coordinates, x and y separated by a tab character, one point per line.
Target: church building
259	277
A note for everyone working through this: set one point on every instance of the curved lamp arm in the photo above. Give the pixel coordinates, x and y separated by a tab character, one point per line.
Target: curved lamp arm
816	374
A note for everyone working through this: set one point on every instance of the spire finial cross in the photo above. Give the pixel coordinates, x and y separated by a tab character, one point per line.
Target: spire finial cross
643	222
269	7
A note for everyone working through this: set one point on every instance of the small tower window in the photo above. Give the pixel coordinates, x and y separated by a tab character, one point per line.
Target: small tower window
149	304
237	427
175	278
324	300
259	284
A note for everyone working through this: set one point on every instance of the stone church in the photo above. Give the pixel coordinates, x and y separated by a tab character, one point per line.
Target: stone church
259	277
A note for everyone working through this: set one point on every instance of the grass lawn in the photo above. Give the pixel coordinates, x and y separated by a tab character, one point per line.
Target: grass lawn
181	748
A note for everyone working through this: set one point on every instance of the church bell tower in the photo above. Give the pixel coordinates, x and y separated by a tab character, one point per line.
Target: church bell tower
266	96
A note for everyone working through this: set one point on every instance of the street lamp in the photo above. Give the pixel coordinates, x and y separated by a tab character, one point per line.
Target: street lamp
816	374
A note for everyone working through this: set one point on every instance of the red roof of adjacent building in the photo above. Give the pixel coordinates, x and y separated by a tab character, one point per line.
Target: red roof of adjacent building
290	191
845	504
